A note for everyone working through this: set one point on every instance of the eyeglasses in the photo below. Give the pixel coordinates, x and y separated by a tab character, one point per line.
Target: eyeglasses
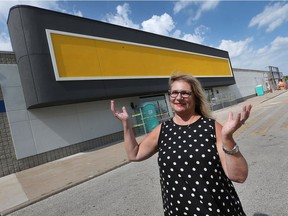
184	94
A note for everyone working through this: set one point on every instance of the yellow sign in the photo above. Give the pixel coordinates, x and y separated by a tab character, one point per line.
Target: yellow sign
83	57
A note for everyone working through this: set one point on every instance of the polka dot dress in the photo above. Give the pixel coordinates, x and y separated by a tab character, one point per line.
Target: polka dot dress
192	179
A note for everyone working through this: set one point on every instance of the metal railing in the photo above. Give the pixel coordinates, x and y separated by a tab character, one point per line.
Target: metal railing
222	100
138	121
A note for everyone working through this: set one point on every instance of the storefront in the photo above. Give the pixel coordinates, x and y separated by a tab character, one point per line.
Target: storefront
57	96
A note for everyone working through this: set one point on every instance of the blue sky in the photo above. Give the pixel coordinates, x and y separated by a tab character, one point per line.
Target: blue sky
255	33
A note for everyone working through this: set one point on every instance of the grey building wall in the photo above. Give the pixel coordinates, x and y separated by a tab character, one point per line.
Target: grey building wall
9	163
245	87
11	135
247	80
7	57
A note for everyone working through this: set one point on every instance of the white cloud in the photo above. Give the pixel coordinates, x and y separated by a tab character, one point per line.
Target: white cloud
180	5
193	38
5	44
5	6
73	12
272	17
77	13
235	48
121	17
4	10
162	25
273	54
197	37
202	7
279	43
276	53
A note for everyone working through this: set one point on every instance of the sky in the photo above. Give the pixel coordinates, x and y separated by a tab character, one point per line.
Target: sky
255	33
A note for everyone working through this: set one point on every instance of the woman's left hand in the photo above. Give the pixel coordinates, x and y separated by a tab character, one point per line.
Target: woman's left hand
234	124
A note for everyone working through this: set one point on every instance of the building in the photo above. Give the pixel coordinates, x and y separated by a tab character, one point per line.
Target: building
57	96
245	87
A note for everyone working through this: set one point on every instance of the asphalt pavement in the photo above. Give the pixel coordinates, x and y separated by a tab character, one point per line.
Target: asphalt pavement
32	185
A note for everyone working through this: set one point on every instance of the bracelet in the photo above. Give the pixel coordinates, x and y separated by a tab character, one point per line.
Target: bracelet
233	151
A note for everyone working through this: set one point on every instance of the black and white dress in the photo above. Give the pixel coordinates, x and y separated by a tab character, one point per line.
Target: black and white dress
192	179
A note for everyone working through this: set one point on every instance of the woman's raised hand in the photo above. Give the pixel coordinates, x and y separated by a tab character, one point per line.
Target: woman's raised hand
122	116
234	124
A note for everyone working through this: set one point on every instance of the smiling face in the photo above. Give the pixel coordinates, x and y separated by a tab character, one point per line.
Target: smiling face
182	105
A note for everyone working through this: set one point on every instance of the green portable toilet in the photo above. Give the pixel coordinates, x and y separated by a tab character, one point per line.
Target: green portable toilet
150	117
259	90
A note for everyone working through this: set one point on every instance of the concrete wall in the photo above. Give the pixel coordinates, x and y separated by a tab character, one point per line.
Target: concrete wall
246	82
245	87
45	129
32	137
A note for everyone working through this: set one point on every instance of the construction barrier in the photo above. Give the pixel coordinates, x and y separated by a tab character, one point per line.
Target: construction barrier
146	121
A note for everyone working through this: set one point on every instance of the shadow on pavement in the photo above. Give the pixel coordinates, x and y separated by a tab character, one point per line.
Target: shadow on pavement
260	214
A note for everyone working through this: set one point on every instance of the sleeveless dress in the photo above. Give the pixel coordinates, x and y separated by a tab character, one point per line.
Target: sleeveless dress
192	179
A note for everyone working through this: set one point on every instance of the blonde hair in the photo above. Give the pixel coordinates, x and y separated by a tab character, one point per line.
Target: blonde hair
201	103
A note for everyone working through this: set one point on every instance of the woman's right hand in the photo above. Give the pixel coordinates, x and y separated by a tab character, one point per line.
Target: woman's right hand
124	116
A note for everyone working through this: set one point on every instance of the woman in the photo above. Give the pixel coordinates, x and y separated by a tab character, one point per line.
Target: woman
197	157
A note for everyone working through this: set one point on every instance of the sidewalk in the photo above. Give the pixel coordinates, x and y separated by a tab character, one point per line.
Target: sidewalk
32	185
